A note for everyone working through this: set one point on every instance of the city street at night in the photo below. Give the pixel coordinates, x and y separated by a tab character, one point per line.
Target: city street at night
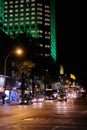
43	68
50	115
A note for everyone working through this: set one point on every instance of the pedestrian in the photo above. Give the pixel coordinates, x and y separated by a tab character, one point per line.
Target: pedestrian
3	98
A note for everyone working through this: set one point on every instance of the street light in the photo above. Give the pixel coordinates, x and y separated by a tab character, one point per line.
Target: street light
17	51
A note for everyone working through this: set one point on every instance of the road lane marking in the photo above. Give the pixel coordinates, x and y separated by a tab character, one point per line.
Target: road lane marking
55	127
29	119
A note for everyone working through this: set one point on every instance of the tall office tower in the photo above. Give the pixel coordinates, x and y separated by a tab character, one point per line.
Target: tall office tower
34	16
1	13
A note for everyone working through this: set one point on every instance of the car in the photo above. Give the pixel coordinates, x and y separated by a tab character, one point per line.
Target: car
62	97
49	97
21	102
25	100
50	94
38	98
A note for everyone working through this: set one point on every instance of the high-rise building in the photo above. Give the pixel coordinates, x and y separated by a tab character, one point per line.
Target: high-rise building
34	16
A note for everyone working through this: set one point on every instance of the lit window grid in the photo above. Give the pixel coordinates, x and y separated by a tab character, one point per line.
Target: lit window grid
39	21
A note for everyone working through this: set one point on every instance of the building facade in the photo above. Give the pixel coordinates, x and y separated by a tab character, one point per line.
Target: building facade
34	16
1	13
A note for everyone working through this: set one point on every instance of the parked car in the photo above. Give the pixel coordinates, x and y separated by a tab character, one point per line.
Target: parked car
62	97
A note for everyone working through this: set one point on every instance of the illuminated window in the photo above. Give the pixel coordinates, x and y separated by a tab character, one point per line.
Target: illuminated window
49	33
27	0
16	10
10	24
40	36
16	1
47	55
47	46
27	18
27	14
33	22
41	45
38	4
27	9
21	5
21	22
41	31
16	6
11	15
5	20
47	15
11	2
33	13
6	15
39	13
16	23
27	22
47	11
33	4
10	19
32	17
48	24
22	18
16	32
39	17
46	19
46	6
33	31
21	14
6	11
33	9
47	37
6	7
22	1
32	0
5	24
16	14
6	3
11	6
40	9
10	11
39	22
11	33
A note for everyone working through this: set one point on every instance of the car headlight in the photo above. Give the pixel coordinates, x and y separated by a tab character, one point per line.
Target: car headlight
34	99
64	97
25	101
19	101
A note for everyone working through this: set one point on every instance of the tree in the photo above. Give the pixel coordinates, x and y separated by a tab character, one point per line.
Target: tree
25	67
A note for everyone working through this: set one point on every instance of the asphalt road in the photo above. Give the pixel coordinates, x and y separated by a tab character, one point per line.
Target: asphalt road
50	115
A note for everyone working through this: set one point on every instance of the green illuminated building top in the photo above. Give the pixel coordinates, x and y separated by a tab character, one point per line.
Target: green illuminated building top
34	16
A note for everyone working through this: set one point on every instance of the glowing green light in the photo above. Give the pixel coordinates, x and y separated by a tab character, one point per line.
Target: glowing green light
53	31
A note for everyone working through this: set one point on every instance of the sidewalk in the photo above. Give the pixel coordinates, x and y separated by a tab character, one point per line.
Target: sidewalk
9	103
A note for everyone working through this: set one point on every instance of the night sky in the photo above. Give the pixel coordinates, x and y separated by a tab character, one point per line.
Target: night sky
72	36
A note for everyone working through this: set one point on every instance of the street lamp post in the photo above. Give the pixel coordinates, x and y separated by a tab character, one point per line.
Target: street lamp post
6	62
17	51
